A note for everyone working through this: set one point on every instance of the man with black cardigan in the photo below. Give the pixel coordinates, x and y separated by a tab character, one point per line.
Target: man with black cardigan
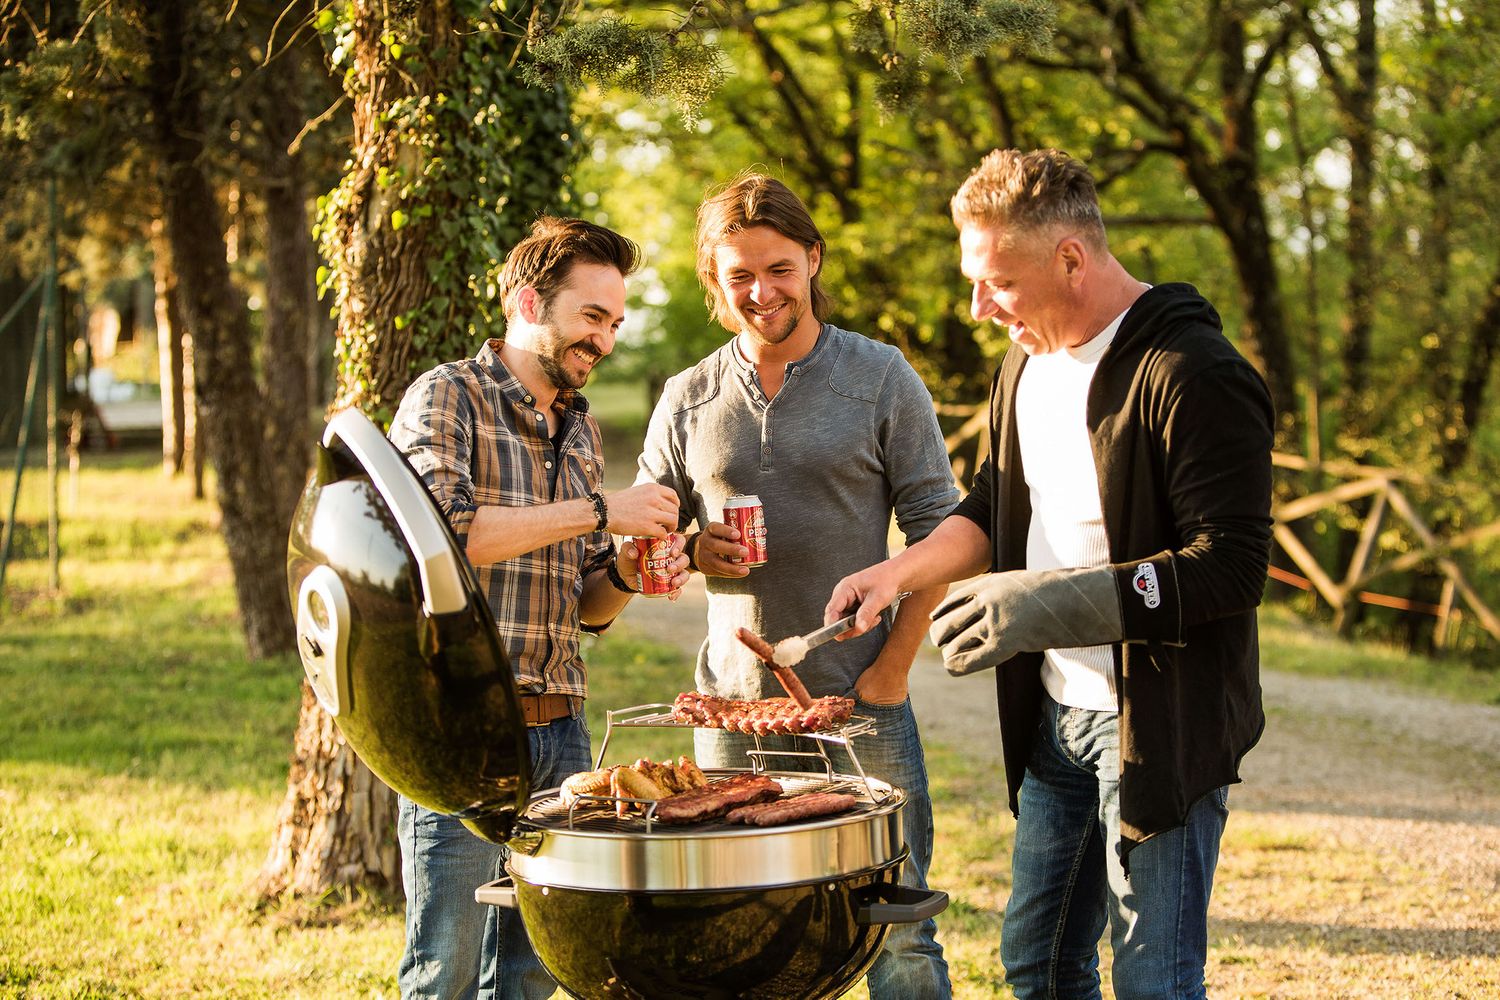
1120	529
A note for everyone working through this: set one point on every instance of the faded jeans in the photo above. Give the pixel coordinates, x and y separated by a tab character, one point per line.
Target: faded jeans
1068	880
456	947
911	965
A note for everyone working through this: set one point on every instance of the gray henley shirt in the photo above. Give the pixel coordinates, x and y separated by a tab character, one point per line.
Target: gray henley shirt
850	439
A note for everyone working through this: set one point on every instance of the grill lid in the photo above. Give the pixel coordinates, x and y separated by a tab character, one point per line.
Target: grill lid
396	638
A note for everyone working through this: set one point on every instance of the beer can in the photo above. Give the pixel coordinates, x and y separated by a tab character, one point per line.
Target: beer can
655	555
744	512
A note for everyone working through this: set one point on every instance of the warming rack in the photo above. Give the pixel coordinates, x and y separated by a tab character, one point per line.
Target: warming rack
658	715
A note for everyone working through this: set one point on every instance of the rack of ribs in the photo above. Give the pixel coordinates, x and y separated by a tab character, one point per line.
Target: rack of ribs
762	717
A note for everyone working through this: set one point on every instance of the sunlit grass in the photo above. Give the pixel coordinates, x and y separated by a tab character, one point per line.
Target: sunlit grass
1291	644
143	756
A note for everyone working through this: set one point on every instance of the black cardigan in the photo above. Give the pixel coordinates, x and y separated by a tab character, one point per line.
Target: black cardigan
1181	429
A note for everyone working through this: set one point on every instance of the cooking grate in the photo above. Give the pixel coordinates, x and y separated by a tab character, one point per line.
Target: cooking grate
596	813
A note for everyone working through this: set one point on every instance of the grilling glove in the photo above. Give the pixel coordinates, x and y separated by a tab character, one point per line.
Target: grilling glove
987	621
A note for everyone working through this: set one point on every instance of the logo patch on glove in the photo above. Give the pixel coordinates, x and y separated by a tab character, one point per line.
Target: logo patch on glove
1146	585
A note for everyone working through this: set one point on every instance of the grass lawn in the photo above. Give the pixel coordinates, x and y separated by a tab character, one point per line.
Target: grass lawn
142	758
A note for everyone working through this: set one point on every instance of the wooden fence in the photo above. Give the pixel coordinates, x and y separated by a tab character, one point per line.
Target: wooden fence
1342	587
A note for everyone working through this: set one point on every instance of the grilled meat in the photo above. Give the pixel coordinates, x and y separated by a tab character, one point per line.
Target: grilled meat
717	799
798	807
768	715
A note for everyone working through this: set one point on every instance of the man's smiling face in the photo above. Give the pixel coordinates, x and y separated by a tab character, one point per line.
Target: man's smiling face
766	281
576	330
1021	286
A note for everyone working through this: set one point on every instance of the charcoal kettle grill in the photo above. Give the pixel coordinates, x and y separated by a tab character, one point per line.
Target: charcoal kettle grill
399	646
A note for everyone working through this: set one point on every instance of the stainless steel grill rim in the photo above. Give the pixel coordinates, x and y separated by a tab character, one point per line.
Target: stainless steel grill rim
622	856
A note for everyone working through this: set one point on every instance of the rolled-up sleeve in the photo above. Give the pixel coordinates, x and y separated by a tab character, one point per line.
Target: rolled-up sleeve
979	505
434	428
916	459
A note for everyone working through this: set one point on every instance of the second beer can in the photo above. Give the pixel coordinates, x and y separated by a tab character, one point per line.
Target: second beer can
656	565
744	513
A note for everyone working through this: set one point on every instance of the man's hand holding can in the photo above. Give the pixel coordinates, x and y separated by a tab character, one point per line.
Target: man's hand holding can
744	513
660	564
717	551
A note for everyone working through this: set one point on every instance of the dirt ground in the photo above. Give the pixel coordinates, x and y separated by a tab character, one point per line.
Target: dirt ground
1363	854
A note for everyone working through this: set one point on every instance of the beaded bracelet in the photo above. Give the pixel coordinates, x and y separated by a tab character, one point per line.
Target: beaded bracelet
600	509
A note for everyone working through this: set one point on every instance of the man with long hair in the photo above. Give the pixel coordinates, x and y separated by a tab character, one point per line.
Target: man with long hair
834	433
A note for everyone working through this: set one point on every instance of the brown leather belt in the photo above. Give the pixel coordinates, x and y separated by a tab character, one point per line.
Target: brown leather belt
540	709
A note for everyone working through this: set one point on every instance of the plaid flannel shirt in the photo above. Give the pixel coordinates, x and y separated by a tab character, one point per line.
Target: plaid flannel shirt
470	430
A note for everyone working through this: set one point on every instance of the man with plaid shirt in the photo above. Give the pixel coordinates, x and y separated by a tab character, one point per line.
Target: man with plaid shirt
506	444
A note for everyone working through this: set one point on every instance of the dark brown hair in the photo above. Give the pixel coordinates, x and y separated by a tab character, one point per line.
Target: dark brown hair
753	199
544	259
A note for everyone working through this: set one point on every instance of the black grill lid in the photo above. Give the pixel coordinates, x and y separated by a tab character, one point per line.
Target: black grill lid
396	638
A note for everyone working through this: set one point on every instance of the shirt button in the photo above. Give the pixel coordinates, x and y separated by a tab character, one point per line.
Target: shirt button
588	466
547	464
540	417
527	398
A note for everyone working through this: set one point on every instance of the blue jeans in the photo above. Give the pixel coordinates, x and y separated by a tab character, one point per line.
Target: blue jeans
456	947
911	965
1068	880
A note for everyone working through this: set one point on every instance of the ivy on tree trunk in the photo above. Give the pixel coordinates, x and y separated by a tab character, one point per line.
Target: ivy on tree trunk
452	160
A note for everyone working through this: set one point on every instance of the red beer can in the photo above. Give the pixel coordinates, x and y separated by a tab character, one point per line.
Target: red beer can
656	565
744	512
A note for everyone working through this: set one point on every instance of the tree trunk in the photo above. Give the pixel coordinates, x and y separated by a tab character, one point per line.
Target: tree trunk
1359	318
289	268
169	334
1474	380
336	826
215	310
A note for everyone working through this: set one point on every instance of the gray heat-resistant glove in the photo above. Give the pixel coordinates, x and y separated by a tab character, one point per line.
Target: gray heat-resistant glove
988	620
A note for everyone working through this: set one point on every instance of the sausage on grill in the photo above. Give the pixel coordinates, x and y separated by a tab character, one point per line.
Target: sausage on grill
768	715
798	807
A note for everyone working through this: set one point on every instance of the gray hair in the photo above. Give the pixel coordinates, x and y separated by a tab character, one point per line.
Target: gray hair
1026	192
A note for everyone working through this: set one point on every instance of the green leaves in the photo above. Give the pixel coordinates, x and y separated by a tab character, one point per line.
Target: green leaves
644	60
457	163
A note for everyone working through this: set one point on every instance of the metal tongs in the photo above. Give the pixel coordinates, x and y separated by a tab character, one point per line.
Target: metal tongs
785	674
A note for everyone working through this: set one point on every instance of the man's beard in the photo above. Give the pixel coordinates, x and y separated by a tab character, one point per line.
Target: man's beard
775	335
553	363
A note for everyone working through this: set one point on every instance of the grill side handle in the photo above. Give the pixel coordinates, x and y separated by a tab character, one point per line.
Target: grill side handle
898	904
502	892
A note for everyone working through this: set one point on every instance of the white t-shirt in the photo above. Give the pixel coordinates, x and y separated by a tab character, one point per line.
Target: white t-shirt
1067	521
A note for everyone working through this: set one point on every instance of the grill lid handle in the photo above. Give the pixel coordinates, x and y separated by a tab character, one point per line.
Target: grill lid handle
442	581
899	904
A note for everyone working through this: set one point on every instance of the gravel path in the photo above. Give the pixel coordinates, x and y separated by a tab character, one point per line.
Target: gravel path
1363	853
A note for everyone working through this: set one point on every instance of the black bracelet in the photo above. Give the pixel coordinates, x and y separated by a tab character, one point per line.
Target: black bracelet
612	573
690	548
600	509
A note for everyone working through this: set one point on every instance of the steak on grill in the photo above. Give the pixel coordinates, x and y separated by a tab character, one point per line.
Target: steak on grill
798	807
713	801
